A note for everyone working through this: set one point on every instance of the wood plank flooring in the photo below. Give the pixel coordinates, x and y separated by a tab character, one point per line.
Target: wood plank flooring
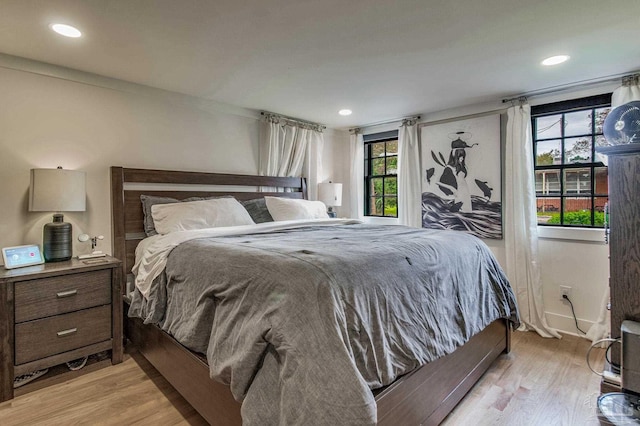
541	382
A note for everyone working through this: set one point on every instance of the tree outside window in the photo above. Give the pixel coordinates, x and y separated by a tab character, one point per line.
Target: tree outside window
381	180
571	183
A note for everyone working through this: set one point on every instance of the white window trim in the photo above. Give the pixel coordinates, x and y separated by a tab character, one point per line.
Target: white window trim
595	235
381	220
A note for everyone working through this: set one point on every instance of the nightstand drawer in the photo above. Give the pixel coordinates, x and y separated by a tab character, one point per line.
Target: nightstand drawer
58	295
49	336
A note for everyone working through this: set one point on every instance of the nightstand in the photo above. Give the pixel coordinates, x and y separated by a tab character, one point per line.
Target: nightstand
57	312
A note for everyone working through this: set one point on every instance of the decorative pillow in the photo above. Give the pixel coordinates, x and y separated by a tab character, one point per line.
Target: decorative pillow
149	201
293	209
199	215
258	210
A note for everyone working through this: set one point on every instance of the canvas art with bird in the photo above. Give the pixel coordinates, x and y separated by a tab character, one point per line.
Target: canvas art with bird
454	200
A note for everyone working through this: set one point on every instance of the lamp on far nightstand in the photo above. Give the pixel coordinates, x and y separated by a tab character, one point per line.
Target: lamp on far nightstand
57	190
331	195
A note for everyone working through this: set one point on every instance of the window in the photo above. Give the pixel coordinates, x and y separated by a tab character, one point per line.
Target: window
571	183
381	174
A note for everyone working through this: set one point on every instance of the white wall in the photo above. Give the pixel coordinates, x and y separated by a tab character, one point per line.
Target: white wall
90	123
581	265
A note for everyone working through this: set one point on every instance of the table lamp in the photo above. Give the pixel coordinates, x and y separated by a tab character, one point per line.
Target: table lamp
57	190
330	194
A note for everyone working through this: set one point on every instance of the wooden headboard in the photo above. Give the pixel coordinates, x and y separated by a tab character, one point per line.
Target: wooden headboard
126	209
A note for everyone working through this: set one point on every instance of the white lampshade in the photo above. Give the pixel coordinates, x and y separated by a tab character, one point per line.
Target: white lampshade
57	190
330	194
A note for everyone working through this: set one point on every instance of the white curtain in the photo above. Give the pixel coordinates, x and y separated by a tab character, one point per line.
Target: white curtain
521	229
288	149
409	191
312	167
601	328
272	137
629	91
356	178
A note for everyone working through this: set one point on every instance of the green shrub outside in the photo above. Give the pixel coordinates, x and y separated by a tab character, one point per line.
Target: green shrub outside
582	217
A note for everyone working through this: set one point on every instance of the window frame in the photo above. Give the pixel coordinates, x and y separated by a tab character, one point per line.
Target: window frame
591	103
369	141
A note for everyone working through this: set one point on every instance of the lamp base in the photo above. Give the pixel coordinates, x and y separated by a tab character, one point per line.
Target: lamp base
56	240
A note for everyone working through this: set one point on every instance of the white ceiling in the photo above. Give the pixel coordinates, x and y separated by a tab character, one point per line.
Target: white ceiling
383	59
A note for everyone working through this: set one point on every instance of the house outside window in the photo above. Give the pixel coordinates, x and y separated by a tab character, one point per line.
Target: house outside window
381	174
571	182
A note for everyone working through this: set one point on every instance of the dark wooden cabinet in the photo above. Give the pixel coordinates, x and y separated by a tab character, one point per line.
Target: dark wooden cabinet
624	208
57	312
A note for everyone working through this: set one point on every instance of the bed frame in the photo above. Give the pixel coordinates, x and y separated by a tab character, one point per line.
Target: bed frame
422	397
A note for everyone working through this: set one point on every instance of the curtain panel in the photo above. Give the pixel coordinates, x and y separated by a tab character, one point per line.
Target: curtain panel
629	91
409	191
521	224
356	177
288	149
312	165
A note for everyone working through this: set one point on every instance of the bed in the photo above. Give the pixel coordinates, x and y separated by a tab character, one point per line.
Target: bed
424	395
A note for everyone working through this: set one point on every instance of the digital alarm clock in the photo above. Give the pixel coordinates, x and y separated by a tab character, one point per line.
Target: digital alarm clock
19	256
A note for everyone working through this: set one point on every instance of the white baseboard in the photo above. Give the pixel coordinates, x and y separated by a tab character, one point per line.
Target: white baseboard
566	324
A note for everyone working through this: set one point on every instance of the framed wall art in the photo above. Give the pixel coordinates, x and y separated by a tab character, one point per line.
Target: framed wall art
462	176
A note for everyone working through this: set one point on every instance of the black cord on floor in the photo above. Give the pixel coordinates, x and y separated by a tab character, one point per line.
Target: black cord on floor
613	367
564	296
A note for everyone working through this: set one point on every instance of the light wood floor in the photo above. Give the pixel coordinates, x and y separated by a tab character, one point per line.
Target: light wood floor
541	382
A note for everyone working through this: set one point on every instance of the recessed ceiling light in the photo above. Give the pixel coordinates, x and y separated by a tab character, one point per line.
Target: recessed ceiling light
555	60
345	112
66	30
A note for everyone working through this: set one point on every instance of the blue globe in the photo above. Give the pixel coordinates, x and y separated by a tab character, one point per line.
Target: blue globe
622	125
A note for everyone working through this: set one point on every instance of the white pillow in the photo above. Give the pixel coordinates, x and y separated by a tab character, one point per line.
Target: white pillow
293	209
199	215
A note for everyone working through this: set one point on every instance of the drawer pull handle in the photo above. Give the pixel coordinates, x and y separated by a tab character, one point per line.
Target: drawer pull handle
67	332
67	293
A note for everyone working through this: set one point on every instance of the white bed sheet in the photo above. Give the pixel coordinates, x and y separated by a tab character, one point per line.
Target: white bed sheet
152	252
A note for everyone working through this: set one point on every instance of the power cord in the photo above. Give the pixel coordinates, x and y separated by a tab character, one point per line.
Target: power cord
613	367
596	343
565	297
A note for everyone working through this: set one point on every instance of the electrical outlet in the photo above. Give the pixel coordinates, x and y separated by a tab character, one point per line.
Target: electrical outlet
565	291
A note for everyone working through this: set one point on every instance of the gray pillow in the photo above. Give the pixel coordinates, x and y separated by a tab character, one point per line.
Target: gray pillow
150	200
258	210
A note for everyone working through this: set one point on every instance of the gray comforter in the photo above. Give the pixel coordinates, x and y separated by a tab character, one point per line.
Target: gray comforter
303	323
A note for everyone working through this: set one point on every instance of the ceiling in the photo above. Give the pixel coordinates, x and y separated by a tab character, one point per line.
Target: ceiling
384	59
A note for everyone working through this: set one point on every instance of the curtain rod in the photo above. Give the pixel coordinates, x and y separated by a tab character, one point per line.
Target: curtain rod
623	77
380	123
563	87
295	120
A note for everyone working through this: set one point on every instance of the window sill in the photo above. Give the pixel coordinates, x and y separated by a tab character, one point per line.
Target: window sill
381	220
595	235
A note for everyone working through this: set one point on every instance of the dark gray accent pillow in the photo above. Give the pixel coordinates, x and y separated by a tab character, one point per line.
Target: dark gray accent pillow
151	200
258	210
